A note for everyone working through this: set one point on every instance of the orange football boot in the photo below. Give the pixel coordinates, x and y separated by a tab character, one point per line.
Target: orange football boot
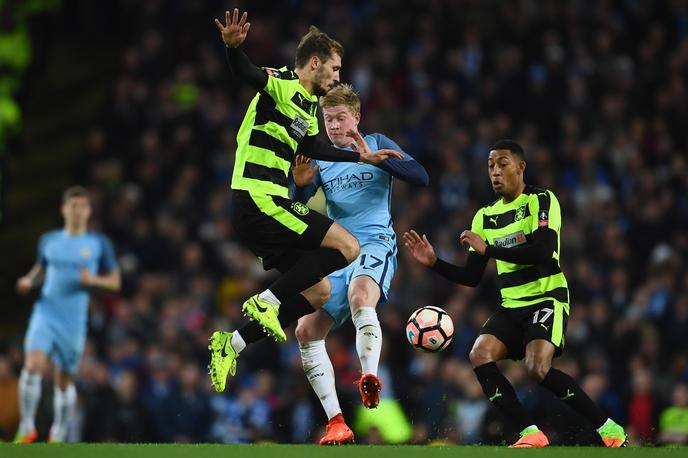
370	386
531	437
337	432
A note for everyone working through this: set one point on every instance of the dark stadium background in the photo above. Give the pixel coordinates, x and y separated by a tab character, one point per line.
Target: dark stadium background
133	100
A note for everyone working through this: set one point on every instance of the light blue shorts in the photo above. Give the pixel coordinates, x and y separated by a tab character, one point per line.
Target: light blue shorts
378	260
62	344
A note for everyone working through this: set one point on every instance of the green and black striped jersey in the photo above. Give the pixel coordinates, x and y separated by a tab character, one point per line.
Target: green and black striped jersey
281	115
511	225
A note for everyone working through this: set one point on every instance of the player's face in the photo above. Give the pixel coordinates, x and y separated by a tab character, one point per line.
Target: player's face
338	121
76	211
506	172
327	75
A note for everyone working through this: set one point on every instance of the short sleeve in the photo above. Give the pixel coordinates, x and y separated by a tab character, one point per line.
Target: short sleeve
108	261
477	226
40	250
545	207
278	83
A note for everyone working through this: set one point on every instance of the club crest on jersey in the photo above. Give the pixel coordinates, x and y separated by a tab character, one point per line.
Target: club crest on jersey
511	240
520	213
85	252
543	218
299	126
299	208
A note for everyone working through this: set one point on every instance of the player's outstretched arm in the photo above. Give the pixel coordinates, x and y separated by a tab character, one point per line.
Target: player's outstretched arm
540	251
420	248
423	252
315	149
111	281
233	35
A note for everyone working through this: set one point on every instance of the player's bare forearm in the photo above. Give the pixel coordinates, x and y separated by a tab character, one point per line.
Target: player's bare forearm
109	282
31	280
36	273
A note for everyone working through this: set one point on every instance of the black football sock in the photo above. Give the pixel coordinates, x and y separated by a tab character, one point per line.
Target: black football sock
290	311
309	270
502	395
566	389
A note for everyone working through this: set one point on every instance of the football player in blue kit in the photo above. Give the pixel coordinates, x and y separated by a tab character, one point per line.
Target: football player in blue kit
71	261
358	197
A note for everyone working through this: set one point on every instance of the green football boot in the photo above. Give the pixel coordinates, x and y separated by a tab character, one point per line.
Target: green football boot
222	359
266	316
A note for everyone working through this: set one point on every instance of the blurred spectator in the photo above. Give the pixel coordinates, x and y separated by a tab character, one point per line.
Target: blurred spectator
673	421
9	408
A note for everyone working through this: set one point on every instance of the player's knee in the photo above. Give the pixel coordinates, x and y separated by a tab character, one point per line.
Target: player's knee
34	364
322	292
351	248
537	368
31	367
358	299
303	334
479	356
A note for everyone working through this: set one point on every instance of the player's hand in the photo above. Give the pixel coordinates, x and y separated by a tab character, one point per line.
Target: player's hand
24	285
367	155
85	277
420	248
234	31
302	171
474	241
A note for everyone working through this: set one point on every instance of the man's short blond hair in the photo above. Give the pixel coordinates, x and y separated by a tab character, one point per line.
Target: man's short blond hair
342	94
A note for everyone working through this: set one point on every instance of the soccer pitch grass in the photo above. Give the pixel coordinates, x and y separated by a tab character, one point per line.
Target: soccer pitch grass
313	451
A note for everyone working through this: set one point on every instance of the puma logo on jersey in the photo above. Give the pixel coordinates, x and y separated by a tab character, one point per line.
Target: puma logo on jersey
493	220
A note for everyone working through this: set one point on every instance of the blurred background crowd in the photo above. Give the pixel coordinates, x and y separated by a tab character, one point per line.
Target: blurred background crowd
594	90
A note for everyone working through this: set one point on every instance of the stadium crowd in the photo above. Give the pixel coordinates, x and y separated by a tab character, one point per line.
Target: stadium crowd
594	90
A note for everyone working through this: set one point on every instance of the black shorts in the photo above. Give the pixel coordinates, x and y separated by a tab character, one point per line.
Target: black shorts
515	327
277	230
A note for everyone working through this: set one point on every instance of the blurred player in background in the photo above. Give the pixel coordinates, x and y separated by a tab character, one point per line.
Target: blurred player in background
72	261
521	231
304	246
359	198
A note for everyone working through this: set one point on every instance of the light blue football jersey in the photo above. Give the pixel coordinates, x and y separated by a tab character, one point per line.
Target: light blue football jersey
359	196
64	300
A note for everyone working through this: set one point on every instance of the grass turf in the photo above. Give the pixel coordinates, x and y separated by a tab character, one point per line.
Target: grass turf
311	451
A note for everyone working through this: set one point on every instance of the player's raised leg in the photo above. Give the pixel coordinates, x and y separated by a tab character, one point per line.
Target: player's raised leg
337	249
364	294
311	332
225	347
276	228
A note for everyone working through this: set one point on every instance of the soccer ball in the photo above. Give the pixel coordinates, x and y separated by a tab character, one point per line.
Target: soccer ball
430	329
